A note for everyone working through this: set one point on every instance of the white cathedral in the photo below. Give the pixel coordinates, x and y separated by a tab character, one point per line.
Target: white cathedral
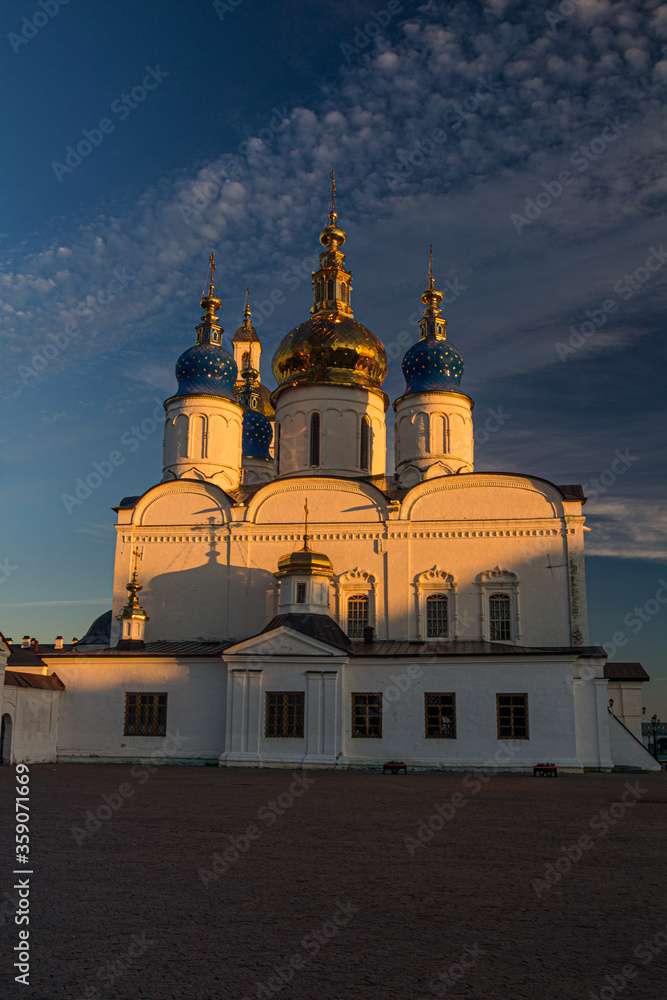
292	604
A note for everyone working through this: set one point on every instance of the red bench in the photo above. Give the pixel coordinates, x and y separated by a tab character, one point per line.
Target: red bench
395	766
545	771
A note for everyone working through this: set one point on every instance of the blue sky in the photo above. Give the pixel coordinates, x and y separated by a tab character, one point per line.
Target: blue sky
526	144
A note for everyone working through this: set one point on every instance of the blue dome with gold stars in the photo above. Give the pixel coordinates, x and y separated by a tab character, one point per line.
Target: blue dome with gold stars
432	365
257	435
206	369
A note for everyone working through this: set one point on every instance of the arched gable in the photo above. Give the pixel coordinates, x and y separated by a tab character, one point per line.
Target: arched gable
479	496
329	501
184	502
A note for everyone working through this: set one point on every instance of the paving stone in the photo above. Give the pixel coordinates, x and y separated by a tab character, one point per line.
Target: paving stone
469	888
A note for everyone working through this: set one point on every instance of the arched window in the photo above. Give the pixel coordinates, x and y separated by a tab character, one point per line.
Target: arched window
422	434
437	625
364	445
499	618
330	289
357	615
343	292
245	359
315	439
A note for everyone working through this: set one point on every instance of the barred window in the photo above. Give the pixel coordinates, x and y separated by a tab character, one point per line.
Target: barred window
436	616
440	716
499	617
367	715
145	714
300	593
357	616
364	450
315	439
284	713
512	711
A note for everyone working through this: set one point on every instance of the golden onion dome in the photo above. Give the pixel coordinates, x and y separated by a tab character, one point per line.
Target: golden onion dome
305	563
331	348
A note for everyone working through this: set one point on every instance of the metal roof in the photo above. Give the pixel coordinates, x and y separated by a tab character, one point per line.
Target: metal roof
14	678
469	648
320	627
625	672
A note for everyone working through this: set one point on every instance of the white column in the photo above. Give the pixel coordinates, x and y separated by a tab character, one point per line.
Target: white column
244	717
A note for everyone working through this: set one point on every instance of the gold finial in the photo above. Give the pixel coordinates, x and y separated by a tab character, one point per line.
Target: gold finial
134	586
211	287
209	303
332	213
431	297
246	309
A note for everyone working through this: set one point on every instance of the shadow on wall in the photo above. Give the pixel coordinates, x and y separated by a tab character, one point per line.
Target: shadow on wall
213	601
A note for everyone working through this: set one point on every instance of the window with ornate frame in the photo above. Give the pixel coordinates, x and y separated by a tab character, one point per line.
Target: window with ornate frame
439	716
355	586
500	625
145	713
367	715
285	712
512	714
357	615
436	616
499	605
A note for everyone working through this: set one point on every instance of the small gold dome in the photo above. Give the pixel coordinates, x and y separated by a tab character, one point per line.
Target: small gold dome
331	348
305	562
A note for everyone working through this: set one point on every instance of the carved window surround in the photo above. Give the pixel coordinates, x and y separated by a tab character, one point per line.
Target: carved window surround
436	581
499	581
353	582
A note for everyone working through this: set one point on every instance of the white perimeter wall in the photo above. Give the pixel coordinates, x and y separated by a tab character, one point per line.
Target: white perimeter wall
92	709
34	714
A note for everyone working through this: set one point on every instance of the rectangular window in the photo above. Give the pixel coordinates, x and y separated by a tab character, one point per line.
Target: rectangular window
357	616
436	616
367	715
315	439
499	618
512	711
284	713
440	716
300	593
145	714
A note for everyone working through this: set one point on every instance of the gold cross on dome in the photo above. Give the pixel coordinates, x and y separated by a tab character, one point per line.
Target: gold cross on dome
212	260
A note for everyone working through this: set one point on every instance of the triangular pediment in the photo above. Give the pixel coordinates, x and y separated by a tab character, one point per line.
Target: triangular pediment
282	641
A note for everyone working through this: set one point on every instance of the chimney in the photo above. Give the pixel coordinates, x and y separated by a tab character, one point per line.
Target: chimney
369	635
59	642
34	644
26	642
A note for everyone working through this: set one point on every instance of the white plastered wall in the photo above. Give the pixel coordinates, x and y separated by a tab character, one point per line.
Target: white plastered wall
92	710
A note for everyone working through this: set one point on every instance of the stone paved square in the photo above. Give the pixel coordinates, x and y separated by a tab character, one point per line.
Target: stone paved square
323	897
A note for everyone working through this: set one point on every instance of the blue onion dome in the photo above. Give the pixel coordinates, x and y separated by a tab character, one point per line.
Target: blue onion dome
207	368
257	435
432	364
